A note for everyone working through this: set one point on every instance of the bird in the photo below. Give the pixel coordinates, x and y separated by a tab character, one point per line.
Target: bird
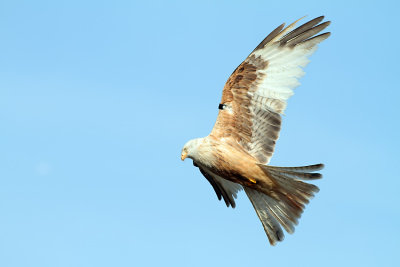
235	155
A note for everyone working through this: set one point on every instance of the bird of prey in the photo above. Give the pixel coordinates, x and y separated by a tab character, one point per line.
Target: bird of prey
235	155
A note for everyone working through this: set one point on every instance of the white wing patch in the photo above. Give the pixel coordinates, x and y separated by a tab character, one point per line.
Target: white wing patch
282	62
281	75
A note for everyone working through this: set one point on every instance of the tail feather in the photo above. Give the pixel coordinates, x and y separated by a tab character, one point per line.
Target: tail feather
262	207
286	203
309	168
300	191
298	175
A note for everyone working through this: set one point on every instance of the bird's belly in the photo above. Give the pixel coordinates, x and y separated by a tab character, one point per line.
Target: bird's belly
240	167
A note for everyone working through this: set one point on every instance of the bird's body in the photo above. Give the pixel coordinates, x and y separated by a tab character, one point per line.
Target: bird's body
226	158
235	155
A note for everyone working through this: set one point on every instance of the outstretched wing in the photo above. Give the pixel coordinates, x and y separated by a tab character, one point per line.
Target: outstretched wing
256	93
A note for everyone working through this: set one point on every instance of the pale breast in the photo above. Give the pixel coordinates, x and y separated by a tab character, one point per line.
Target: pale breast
228	159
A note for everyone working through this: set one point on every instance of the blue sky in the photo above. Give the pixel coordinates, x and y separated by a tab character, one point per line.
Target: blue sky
97	99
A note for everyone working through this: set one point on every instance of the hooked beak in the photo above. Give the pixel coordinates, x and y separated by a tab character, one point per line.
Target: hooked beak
183	156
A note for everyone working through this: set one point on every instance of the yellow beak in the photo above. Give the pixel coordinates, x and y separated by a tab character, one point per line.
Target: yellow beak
183	156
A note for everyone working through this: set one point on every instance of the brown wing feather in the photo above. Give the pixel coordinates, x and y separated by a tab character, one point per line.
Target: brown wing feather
240	119
235	120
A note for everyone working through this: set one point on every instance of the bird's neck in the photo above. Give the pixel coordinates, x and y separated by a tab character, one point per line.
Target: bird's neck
204	153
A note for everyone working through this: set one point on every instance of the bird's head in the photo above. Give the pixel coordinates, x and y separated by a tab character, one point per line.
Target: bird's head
190	148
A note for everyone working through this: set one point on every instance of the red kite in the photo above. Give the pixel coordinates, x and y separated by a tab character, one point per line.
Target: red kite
235	155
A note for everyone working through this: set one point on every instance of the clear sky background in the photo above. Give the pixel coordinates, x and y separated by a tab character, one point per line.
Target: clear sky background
97	99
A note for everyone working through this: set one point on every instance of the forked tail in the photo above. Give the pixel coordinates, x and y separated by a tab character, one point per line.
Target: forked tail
286	204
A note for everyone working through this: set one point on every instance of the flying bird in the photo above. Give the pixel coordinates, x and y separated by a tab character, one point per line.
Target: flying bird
235	155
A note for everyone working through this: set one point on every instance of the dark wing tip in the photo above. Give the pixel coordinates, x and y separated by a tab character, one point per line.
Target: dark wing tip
219	189
269	37
327	33
298	35
320	18
315	175
212	182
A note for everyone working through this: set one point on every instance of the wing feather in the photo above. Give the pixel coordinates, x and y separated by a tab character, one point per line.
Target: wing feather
223	188
256	93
